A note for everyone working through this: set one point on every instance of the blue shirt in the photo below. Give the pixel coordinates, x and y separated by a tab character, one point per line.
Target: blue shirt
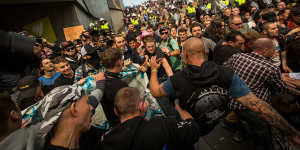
49	81
238	87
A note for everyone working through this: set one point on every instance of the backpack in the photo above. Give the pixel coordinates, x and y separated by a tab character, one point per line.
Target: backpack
207	106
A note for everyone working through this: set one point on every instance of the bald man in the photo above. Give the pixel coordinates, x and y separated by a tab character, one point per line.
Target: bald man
201	88
261	76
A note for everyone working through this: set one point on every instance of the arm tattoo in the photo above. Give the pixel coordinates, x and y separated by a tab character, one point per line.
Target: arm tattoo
267	113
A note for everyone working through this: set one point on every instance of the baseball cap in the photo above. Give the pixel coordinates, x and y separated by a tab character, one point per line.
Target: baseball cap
27	86
88	50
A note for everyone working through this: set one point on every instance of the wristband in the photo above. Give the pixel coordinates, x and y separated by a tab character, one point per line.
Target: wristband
153	70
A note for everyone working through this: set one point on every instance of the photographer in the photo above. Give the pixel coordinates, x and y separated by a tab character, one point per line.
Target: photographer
19	55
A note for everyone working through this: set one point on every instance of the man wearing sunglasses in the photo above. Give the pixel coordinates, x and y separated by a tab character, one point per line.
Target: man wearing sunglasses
236	24
171	50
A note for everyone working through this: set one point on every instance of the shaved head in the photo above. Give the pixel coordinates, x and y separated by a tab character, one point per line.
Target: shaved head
264	46
194	46
262	43
193	51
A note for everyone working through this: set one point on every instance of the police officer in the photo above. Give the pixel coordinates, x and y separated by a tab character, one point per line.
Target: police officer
135	21
104	26
191	10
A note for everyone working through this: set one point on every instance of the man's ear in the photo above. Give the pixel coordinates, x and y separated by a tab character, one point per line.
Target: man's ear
143	106
119	62
264	32
74	110
14	115
116	112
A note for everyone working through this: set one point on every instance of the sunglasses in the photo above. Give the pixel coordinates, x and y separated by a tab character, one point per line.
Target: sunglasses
70	49
164	33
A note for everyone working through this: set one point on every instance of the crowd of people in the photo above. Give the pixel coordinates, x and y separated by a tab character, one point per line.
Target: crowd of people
203	63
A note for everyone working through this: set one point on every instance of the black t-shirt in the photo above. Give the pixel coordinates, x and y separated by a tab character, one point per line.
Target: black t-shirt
52	147
60	81
89	140
223	53
112	86
162	75
155	134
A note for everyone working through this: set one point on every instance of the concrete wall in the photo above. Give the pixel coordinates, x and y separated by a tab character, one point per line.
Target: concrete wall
16	13
117	17
14	17
103	9
82	17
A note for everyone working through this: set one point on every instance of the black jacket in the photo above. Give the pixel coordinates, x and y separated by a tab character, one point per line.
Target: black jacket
155	134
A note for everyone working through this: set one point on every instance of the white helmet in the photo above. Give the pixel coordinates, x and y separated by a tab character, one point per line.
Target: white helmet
101	19
133	15
91	24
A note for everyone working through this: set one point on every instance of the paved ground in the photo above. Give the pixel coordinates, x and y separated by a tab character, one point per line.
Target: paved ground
221	139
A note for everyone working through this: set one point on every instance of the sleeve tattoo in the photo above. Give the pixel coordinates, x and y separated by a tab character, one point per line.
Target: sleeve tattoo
267	113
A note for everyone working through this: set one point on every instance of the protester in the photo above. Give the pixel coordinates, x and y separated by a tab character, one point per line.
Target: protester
29	91
11	118
170	48
111	59
235	43
194	58
90	66
67	74
176	44
71	55
136	133
208	43
49	75
263	49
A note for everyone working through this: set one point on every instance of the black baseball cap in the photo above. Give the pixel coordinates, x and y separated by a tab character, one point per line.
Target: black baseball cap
27	86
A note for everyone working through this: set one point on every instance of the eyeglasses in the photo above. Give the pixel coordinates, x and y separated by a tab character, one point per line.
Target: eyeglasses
164	33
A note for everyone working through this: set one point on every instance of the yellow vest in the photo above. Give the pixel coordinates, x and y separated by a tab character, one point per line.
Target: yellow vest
135	21
226	2
152	17
208	6
95	28
191	10
241	2
104	26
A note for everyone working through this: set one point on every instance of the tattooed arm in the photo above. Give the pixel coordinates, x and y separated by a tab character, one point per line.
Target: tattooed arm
267	113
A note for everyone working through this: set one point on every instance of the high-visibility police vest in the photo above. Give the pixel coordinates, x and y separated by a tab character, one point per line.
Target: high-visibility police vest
95	28
135	21
208	6
191	9
241	2
104	26
152	17
226	2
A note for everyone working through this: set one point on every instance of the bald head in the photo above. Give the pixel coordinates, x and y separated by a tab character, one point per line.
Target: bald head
262	43
264	46
194	47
